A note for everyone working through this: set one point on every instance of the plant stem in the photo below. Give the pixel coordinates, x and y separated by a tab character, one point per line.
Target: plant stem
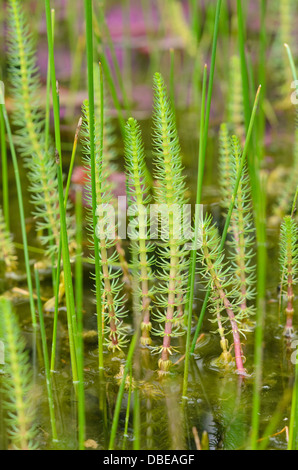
57	276
127	411
46	359
21	210
262	78
89	45
209	96
65	251
79	305
48	92
228	219
103	25
194	250
121	389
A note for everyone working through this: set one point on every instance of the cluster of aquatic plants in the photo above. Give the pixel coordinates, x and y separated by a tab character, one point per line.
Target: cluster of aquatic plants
167	270
33	139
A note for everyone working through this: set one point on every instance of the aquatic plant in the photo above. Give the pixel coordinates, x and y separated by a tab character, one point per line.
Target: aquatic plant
214	270
164	278
28	117
241	228
16	382
138	199
289	267
170	192
112	286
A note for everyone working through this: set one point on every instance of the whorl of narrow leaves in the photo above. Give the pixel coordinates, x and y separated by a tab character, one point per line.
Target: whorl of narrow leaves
289	249
29	120
214	271
224	165
138	198
242	241
170	193
112	291
7	249
213	267
167	152
16	382
241	228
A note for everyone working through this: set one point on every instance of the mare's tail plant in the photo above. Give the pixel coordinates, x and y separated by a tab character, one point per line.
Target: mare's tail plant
112	287
16	382
138	197
28	117
224	298
241	227
7	249
170	195
289	267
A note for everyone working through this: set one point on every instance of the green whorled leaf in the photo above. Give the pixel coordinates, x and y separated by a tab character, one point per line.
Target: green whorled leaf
16	382
29	120
139	196
112	285
288	250
173	254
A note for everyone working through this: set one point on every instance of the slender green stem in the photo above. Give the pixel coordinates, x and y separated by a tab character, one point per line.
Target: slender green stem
121	389
89	45
244	74
127	59
57	276
259	204
228	219
48	93
292	443
294	74
103	25
72	161
65	251
292	64
262	79
127	411
113	90
46	359
55	324
194	250
79	305
209	94
21	209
